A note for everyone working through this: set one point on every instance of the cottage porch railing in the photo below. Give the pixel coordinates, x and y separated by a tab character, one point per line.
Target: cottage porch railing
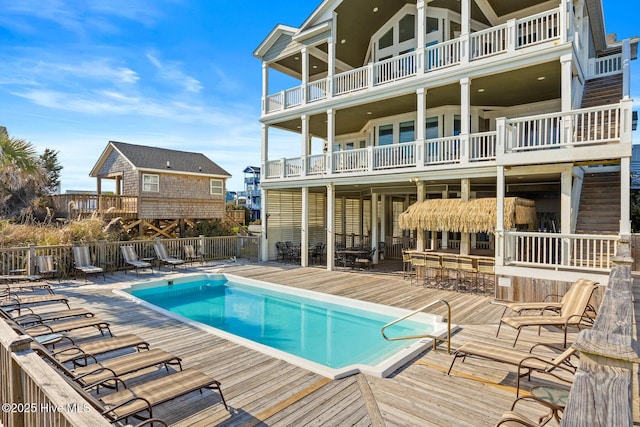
108	254
73	205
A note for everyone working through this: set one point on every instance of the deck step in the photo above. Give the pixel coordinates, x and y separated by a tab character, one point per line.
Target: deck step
599	211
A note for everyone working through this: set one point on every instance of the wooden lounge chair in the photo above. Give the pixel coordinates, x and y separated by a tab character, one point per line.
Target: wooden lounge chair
82	262
526	362
571	313
68	325
163	256
131	258
45	266
547	304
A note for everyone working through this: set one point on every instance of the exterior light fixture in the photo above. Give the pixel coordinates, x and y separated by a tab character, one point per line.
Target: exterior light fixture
375	9
541	78
343	41
481	90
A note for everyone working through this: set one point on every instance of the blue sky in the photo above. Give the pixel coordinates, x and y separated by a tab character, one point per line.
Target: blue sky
177	74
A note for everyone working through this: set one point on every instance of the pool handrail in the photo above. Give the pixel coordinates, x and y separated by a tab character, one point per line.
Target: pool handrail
413	313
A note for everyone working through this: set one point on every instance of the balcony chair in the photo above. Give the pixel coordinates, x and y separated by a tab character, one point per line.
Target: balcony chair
366	260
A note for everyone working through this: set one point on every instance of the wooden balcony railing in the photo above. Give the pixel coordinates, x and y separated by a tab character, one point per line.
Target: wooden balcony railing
72	205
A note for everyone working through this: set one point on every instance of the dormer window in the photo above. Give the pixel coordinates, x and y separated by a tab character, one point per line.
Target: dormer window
386	40
407	28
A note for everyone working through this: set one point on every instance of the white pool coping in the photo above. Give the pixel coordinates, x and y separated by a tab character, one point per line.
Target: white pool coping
381	370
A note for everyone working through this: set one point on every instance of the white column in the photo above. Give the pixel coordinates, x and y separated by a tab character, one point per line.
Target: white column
304	232
445	234
499	243
420	198
305	73
264	225
304	152
421	31
331	237
331	64
566	182
374	225
465	117
465	238
331	138
465	30
421	122
626	68
566	62
265	85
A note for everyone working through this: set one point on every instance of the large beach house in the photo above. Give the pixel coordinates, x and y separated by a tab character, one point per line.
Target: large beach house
522	105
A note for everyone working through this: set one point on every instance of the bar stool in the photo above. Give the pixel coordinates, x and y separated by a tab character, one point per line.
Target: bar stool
467	273
450	265
418	266
486	267
434	265
406	264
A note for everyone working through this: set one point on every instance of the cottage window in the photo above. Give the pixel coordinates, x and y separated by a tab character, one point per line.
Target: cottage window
216	186
407	131
407	28
150	183
385	135
386	40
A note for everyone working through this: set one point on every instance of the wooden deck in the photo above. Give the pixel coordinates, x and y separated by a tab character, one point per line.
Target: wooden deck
262	390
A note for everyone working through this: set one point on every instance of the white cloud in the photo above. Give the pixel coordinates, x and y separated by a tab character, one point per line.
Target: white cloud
171	72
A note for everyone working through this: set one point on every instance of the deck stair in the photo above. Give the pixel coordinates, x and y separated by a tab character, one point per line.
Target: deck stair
599	211
602	91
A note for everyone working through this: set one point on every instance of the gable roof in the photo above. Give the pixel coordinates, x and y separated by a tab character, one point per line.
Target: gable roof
161	159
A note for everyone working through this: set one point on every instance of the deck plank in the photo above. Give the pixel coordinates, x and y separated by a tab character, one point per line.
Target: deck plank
262	390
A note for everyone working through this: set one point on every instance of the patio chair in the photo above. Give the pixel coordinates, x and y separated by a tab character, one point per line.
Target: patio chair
526	362
513	418
131	258
12	302
406	264
86	350
163	256
191	255
49	316
82	262
45	267
366	259
17	283
67	325
139	399
546	305
571	313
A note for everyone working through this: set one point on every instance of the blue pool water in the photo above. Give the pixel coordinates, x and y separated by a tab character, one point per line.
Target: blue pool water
323	332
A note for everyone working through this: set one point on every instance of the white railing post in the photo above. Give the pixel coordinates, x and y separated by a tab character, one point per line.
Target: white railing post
370	158
624	122
511	35
501	139
283	97
564	24
283	163
626	70
370	72
465	49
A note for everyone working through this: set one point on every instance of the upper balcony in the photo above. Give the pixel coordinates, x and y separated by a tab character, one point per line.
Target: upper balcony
578	135
542	29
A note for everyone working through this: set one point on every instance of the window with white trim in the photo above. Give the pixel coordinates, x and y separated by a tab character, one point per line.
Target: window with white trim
150	183
216	186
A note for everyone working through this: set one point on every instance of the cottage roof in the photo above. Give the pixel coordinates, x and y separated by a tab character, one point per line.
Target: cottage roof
161	159
252	169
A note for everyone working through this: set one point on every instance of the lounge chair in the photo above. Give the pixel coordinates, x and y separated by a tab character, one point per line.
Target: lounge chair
95	374
526	362
547	304
141	398
163	256
13	302
45	266
48	316
513	418
67	325
191	255
131	258
91	349
82	262
571	313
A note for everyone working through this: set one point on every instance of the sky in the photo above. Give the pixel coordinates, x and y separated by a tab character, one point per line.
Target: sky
176	74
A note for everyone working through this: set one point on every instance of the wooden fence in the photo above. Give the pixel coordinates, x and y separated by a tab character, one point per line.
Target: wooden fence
108	254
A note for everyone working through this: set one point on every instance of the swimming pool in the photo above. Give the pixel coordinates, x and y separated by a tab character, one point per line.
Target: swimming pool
330	335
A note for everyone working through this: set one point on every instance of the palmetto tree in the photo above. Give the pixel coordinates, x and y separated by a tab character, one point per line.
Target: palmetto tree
19	170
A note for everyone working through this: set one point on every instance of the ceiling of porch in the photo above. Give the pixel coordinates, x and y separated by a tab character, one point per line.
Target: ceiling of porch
494	92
